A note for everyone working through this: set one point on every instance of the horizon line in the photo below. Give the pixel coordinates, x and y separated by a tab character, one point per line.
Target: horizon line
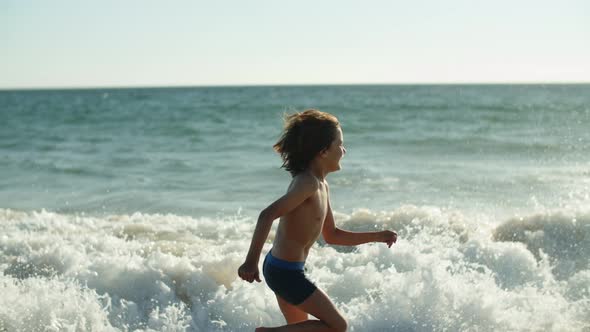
172	86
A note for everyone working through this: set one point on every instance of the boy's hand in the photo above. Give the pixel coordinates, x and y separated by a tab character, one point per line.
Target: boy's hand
388	237
249	272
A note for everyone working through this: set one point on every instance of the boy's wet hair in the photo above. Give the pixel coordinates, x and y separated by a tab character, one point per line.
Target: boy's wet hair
305	135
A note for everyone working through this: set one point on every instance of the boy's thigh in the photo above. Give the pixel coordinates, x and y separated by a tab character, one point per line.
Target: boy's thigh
319	305
291	312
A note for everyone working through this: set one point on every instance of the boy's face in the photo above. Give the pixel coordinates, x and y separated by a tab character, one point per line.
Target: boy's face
334	153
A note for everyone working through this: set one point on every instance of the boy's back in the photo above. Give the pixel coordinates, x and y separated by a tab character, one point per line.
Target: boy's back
300	228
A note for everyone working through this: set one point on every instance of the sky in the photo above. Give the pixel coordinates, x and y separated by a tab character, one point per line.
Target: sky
116	43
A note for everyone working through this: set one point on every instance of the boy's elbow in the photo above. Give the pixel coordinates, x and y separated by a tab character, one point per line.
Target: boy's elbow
331	237
332	241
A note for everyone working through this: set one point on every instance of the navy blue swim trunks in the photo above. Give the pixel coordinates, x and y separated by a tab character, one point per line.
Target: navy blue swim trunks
287	279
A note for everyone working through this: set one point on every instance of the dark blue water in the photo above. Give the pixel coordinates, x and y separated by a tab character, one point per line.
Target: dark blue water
205	151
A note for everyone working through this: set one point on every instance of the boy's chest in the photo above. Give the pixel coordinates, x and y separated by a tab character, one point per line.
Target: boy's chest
316	207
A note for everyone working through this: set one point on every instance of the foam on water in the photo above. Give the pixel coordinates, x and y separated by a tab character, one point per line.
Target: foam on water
152	272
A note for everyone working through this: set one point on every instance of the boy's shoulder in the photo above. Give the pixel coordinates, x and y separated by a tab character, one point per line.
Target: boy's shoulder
306	180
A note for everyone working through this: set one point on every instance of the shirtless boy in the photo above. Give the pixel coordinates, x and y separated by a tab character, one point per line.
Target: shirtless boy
311	146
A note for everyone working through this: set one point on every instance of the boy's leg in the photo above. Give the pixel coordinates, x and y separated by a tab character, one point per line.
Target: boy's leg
319	305
292	313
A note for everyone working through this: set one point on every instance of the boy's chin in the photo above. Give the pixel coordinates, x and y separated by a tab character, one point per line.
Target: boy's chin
334	168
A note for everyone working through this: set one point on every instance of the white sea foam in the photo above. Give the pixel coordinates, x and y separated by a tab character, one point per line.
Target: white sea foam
172	273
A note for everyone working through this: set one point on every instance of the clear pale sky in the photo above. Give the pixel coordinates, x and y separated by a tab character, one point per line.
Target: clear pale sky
73	43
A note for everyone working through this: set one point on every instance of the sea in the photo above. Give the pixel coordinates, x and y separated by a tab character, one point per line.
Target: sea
131	209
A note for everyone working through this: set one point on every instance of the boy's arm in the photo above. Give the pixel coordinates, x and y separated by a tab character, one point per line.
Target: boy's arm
337	236
303	187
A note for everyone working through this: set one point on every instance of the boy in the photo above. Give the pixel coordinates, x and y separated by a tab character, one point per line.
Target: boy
311	146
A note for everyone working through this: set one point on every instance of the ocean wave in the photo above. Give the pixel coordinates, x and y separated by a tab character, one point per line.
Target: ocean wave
168	272
563	236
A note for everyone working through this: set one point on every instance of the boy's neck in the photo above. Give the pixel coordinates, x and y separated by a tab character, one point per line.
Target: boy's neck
317	171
